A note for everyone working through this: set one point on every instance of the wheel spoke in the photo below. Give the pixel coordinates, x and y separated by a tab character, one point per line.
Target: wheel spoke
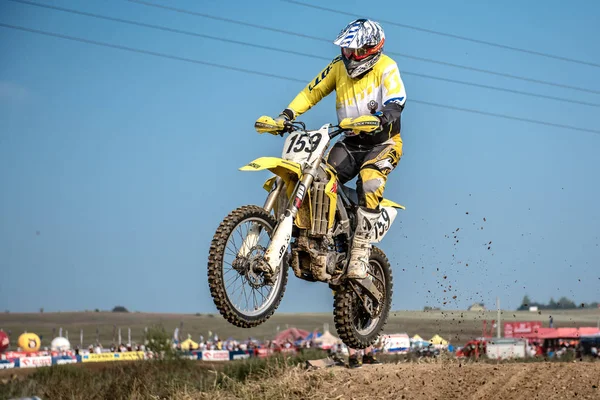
230	252
236	249
254	298
237	300
232	282
233	253
245	295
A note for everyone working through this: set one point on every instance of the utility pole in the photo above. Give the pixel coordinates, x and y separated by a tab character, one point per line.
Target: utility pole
498	307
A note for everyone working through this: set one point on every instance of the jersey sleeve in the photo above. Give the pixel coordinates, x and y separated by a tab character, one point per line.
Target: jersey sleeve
393	87
316	90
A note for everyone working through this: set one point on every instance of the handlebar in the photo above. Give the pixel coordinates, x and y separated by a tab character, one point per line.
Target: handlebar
293	126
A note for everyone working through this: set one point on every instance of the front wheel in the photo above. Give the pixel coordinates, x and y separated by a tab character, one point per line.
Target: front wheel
241	292
356	327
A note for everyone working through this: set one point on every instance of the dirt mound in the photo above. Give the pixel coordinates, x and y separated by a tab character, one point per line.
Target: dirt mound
433	381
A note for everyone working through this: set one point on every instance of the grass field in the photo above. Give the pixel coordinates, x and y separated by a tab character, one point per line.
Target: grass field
456	326
287	378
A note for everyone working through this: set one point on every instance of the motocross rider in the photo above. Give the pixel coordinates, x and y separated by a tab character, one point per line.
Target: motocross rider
368	89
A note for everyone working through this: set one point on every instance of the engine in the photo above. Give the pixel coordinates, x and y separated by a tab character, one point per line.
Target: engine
315	253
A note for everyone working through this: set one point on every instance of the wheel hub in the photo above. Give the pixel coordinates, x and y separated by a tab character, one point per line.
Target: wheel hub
258	272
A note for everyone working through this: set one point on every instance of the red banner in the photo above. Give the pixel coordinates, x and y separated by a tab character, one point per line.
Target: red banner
262	353
521	328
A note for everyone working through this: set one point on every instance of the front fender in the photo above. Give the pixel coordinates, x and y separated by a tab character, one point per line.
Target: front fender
276	165
289	171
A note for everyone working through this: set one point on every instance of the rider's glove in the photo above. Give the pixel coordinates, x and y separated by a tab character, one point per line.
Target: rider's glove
281	120
274	126
369	124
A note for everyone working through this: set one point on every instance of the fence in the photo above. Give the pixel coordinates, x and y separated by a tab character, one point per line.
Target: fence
14	359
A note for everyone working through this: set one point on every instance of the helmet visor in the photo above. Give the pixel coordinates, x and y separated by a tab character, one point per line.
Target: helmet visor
361	53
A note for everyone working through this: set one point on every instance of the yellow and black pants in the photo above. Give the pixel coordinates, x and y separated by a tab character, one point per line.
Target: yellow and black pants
371	162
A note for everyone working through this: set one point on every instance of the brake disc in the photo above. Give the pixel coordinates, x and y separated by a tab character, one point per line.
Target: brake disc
259	273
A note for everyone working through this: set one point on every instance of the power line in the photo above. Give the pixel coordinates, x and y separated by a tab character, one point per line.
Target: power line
163	28
321	39
502	74
148	52
233	21
451	35
287	78
195	34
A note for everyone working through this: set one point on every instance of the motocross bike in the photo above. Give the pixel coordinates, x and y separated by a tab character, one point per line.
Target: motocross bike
307	222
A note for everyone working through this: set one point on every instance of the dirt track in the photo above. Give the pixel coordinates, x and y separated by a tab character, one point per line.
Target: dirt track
416	381
442	381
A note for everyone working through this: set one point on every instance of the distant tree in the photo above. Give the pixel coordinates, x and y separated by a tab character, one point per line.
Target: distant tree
563	303
41	310
566	304
120	309
525	304
159	341
97	310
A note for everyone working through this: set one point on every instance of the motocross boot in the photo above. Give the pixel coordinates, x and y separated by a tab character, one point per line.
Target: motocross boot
361	244
354	362
370	359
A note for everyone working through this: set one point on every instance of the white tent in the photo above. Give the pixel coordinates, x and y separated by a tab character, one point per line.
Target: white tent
326	340
60	344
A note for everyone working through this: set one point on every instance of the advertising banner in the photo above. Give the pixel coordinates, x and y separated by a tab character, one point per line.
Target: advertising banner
105	357
6	365
14	355
34	362
215	355
262	353
517	329
238	355
64	360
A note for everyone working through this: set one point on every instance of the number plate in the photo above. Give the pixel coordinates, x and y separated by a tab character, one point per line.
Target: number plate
304	147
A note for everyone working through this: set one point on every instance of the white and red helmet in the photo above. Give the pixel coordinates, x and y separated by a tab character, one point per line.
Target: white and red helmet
362	43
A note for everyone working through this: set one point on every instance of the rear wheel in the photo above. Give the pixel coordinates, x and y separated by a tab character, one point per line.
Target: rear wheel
355	326
241	292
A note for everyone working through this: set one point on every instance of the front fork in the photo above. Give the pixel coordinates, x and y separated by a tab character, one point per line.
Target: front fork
253	235
283	232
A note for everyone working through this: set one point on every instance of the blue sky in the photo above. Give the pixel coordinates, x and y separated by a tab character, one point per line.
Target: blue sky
117	167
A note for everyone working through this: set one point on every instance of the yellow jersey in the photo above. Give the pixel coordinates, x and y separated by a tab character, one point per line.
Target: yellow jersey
382	84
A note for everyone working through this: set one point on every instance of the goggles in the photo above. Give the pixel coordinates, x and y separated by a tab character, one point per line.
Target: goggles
363	52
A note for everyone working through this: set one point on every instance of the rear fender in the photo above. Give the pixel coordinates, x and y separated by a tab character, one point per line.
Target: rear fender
389	203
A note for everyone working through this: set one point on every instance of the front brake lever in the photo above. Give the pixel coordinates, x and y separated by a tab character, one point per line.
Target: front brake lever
288	126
